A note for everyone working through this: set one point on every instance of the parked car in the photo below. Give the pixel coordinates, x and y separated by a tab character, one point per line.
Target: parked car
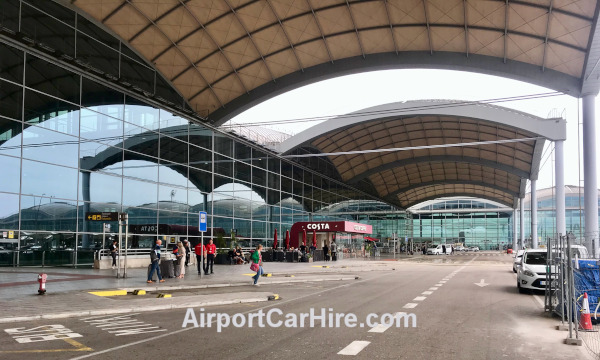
517	259
531	274
473	248
460	248
439	250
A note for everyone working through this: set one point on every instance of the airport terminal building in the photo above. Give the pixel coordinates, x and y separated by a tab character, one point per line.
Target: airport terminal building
91	122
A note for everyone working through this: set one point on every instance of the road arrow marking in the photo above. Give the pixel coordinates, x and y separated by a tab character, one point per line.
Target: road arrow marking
481	283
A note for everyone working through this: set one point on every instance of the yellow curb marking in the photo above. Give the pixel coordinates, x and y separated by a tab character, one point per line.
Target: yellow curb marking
109	293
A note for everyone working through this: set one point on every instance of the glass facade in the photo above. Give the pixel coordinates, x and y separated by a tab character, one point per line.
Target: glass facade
71	143
471	222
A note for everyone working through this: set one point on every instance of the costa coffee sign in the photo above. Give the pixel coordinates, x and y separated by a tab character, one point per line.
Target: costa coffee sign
333	226
318	226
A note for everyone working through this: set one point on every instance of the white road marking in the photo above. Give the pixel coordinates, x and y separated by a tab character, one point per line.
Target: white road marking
354	348
427	293
439	285
443	281
41	333
539	301
433	288
420	298
379	328
410	306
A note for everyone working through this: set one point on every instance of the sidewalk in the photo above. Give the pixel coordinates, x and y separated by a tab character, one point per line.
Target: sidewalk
68	288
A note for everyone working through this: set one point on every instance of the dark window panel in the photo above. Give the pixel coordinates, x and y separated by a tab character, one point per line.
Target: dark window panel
39	107
50	7
243	153
95	32
173	150
223	165
137	74
200	180
242	171
259	159
259	176
11	62
11	101
131	54
98	55
200	136
9	14
166	91
223	145
51	79
200	158
43	29
102	99
274	165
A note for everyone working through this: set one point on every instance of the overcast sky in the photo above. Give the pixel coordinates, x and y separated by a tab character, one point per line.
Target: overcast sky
355	92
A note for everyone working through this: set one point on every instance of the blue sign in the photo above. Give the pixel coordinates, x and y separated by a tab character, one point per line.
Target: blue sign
406	239
203	218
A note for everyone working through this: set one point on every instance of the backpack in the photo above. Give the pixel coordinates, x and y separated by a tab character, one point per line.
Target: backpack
153	256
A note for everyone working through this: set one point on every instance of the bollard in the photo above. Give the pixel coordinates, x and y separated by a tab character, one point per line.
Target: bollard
42	280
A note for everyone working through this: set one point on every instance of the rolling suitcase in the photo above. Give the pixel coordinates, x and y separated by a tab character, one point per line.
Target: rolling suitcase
175	267
166	269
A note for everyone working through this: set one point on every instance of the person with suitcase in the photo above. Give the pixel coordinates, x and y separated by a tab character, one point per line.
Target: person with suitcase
333	250
155	261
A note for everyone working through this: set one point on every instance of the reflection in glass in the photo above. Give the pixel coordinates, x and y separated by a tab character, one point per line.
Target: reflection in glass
143	169
56	181
201	180
140	114
139	193
10	137
101	128
52	79
47	30
172	198
173	150
200	158
10	174
50	146
9	211
105	188
102	99
170	123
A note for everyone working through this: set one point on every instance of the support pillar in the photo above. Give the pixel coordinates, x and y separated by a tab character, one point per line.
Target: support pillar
514	229
522	221
85	192
590	184
533	203
559	174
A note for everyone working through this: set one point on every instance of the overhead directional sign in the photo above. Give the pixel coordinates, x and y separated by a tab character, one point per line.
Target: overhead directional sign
102	216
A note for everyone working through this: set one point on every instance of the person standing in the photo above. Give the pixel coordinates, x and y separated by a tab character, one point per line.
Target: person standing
211	250
333	250
186	245
257	259
114	248
444	249
199	250
155	258
326	252
181	256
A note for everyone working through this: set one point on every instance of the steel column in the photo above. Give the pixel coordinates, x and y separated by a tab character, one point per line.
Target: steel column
590	185
534	236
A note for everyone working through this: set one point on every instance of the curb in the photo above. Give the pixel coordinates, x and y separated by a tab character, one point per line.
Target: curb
266	282
132	309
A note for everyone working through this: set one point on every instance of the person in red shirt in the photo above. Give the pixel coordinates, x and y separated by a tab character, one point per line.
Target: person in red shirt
211	251
199	250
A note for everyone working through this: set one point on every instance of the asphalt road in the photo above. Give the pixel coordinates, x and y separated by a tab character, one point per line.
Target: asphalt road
457	316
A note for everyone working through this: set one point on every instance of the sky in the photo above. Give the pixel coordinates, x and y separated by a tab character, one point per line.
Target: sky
355	92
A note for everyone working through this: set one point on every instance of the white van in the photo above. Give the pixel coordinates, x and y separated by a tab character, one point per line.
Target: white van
439	250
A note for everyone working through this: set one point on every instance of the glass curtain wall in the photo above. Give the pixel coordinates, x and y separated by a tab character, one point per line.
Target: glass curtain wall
70	145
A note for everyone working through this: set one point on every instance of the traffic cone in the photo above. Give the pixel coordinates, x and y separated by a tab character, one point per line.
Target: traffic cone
585	320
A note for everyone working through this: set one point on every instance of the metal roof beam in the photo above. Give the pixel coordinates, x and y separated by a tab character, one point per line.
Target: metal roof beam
355	29
286	35
387	12
320	30
451	182
486	197
547	34
428	27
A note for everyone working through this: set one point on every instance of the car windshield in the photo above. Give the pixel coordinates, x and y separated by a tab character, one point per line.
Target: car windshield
536	258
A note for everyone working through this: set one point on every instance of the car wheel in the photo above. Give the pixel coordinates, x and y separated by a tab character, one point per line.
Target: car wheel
514	270
521	290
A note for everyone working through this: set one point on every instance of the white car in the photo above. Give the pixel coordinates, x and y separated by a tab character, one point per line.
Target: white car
439	250
531	274
517	260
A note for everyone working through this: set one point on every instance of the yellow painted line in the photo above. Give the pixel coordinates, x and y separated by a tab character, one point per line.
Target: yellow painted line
248	274
139	292
320	266
78	347
109	293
